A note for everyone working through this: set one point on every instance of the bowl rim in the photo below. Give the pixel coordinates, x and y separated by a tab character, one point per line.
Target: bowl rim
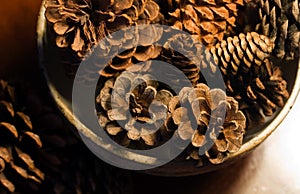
245	148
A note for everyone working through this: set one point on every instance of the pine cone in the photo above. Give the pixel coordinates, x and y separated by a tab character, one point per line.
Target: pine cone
82	172
139	96
207	107
18	145
146	50
181	51
118	14
208	21
68	165
265	89
120	52
237	54
73	24
81	24
280	20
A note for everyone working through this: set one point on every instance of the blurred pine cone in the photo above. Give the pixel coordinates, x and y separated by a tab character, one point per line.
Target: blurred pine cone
69	166
208	21
201	114
280	20
138	110
18	145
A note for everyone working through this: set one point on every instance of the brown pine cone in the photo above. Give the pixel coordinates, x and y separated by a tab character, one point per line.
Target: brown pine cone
134	53
73	24
68	165
119	52
264	89
118	14
81	24
208	21
140	106
18	145
280	20
237	54
181	51
206	108
82	172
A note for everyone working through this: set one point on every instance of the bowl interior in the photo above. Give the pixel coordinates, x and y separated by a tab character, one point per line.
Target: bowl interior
60	87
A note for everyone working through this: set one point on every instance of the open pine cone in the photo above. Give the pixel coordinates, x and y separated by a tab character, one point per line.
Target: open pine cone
69	166
123	53
264	89
182	52
211	117
18	145
80	24
280	20
138	99
208	21
73	24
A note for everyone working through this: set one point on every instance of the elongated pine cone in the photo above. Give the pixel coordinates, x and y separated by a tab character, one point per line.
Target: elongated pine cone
280	20
80	24
237	54
209	21
139	107
18	145
212	121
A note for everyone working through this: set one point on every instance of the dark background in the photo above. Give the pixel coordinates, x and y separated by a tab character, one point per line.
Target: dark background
272	168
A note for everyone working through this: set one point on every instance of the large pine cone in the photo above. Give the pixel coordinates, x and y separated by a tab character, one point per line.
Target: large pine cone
73	24
245	64
80	24
208	21
208	111
68	164
119	60
280	20
18	145
138	110
263	89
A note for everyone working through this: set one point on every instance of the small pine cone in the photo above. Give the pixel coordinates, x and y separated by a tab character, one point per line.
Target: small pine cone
18	145
208	21
181	51
280	20
206	109
237	54
265	89
140	106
